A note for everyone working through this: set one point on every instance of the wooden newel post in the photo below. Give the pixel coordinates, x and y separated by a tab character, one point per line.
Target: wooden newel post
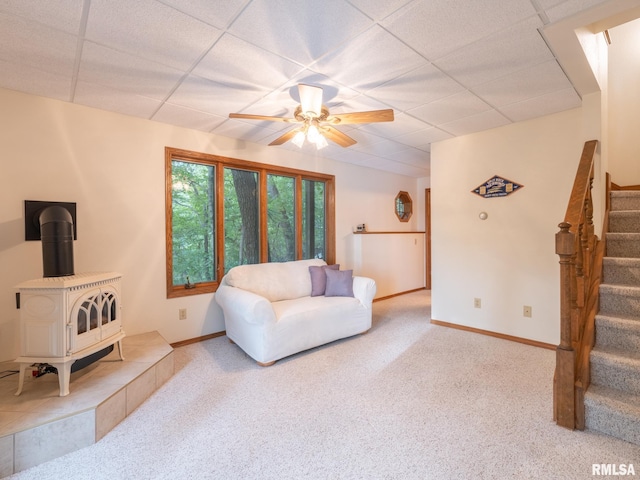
564	391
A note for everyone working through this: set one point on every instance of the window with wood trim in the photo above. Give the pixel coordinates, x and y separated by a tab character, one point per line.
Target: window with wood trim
222	212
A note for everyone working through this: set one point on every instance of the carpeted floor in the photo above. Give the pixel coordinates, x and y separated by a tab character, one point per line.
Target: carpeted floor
408	400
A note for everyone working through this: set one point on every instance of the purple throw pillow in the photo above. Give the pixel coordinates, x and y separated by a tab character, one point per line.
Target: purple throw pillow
339	283
319	278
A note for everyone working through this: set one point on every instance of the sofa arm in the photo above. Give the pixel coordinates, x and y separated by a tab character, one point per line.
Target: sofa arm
243	306
364	289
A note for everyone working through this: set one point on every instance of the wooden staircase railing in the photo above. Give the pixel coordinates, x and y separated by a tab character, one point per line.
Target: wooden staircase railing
581	254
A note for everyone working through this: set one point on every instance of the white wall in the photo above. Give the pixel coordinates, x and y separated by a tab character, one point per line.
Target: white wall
398	249
624	104
112	166
508	260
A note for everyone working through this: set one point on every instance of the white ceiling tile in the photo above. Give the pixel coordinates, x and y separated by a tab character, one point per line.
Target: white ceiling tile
250	132
150	30
238	64
63	15
219	17
188	118
234	129
499	55
397	167
113	100
413	156
358	103
354	157
568	8
547	104
362	67
421	138
300	34
476	123
451	108
44	48
381	148
422	85
438	27
401	125
174	61
546	4
526	83
24	78
126	73
211	97
379	9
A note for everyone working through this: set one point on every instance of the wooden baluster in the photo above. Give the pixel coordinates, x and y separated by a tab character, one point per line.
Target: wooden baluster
564	395
589	215
587	241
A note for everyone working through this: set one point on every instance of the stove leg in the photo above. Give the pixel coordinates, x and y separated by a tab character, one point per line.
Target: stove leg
23	369
119	342
64	376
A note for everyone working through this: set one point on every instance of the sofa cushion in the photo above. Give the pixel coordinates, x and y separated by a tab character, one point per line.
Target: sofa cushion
339	283
276	280
319	278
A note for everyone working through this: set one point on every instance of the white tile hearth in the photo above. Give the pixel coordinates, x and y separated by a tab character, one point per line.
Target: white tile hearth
39	425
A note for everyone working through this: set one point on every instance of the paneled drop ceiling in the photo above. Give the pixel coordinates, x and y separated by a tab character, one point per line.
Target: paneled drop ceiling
446	67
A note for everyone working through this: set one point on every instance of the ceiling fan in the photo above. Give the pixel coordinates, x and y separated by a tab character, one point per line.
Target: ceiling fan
316	123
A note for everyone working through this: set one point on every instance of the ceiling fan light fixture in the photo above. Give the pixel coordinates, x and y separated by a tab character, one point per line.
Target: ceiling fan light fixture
321	142
316	123
313	133
298	139
315	137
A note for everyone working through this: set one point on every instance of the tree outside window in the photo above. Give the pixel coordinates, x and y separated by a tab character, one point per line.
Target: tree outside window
223	212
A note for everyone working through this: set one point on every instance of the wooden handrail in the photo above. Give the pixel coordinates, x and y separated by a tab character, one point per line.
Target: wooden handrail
580	253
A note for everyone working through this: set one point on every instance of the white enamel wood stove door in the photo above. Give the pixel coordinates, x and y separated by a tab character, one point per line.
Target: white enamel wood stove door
95	316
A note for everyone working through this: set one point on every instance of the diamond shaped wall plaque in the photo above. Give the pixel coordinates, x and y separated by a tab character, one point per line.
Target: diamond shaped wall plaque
496	187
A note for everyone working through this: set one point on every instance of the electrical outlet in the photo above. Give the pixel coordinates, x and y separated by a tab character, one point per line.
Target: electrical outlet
182	314
477	303
526	311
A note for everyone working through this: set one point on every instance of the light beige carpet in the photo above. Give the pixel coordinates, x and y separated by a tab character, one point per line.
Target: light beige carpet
408	400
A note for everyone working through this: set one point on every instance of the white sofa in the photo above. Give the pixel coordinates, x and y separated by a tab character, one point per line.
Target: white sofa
270	313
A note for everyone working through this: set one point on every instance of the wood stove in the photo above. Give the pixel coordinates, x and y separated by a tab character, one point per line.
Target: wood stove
67	318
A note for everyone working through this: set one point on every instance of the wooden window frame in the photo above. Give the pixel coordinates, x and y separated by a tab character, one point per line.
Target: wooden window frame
220	162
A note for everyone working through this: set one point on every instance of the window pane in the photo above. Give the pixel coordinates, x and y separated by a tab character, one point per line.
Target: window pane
193	201
281	218
241	218
313	219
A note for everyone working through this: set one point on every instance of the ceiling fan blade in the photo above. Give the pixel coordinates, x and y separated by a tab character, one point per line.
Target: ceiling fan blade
361	117
268	118
310	98
286	137
337	136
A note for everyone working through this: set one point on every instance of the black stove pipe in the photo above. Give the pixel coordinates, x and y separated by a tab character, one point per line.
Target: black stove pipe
56	232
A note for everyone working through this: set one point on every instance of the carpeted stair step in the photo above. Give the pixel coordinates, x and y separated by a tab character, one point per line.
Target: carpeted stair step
620	301
612	402
624	221
625	245
625	200
613	413
613	369
617	333
621	271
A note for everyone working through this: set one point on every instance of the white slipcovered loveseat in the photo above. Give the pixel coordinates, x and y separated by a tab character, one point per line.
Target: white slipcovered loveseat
273	310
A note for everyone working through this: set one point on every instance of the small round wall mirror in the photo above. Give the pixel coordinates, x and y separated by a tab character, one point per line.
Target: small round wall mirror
404	206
